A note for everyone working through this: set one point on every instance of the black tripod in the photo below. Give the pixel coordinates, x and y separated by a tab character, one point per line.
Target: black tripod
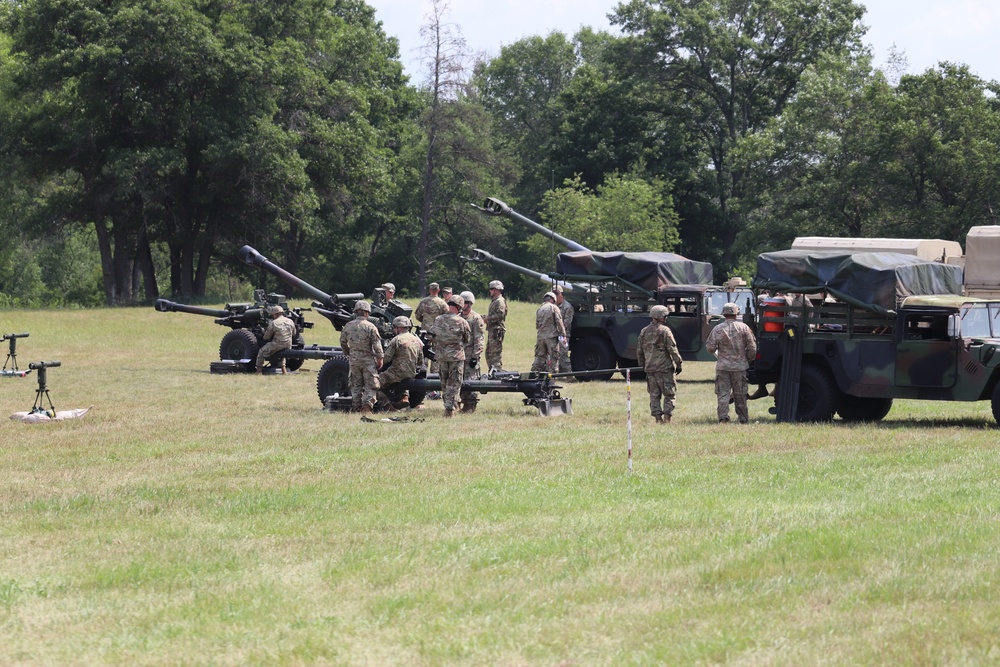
12	352
43	389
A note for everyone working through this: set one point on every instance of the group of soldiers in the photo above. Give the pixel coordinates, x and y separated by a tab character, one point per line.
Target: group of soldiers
461	335
733	344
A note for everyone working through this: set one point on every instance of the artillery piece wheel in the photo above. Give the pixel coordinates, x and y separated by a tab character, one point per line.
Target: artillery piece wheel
333	378
859	409
239	344
591	354
296	364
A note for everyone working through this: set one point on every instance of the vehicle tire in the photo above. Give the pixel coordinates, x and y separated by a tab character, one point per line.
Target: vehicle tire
995	403
297	344
333	378
239	344
860	409
817	395
591	354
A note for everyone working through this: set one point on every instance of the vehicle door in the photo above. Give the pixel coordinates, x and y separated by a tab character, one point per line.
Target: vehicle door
925	354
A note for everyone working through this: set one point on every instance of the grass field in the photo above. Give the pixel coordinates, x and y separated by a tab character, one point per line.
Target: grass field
197	519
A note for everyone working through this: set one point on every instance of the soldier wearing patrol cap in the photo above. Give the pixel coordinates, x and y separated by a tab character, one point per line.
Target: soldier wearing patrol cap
404	356
496	326
550	335
734	346
280	334
363	346
430	307
657	354
451	336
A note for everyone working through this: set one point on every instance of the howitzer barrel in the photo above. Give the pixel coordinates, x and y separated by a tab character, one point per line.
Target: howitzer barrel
493	206
482	255
250	256
165	306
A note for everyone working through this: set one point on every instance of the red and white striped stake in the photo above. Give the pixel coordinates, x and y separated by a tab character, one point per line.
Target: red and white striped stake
628	410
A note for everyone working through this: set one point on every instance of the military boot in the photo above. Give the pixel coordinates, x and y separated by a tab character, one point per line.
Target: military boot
365	409
659	419
664	419
448	412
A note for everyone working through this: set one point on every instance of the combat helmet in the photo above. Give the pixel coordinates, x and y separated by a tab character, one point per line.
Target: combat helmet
659	312
549	295
363	306
496	284
456	301
402	322
731	309
468	297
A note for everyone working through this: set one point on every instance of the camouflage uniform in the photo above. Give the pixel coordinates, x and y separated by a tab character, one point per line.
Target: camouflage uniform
566	309
429	309
473	351
657	354
733	344
363	346
451	336
496	327
404	356
281	334
549	326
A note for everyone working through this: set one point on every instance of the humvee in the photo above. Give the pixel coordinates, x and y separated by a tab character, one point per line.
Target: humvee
846	334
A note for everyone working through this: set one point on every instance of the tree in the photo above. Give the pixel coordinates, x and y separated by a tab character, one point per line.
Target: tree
199	124
625	213
459	160
728	67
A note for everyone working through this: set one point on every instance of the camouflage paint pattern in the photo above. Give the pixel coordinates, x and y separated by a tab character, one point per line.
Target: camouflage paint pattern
280	334
549	327
566	310
404	355
428	310
473	352
496	328
362	344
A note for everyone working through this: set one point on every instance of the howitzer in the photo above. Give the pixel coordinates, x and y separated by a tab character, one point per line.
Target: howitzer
539	389
248	322
338	308
479	256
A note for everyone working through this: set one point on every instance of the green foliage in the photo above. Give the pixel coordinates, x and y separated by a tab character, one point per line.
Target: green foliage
625	213
61	270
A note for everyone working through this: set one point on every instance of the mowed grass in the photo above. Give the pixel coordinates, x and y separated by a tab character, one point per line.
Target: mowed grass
198	519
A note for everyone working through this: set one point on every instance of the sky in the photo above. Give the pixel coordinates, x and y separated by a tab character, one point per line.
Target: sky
926	31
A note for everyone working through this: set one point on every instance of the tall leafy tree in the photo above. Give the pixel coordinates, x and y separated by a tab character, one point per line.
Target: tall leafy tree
728	67
199	124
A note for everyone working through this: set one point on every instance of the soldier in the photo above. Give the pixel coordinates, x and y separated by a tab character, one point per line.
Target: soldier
451	336
733	343
446	294
474	350
280	333
566	310
657	354
430	307
363	347
551	334
496	326
404	356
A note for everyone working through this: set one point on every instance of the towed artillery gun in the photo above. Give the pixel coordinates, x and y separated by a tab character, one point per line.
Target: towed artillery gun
238	349
613	292
540	390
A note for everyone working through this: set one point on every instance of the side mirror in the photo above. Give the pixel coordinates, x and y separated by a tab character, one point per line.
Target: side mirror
954	326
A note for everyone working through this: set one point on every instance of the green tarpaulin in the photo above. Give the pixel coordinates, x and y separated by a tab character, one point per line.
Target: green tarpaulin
876	281
649	270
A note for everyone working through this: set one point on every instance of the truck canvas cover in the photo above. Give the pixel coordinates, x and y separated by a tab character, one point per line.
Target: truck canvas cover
876	281
649	270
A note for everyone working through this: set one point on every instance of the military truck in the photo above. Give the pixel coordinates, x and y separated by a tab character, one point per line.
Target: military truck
612	293
847	333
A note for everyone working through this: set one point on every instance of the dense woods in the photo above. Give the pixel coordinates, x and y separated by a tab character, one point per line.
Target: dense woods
144	141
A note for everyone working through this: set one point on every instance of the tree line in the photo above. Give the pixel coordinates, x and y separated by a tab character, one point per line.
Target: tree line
145	141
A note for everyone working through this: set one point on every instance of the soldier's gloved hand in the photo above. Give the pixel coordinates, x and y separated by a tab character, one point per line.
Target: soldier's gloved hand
677	369
474	363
